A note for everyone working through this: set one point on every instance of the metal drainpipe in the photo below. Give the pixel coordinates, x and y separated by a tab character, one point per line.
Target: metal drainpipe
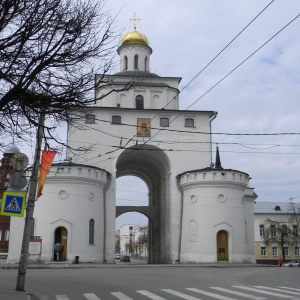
181	216
104	214
210	121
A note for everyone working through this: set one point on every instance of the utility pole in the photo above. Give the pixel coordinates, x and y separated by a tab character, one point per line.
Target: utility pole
29	220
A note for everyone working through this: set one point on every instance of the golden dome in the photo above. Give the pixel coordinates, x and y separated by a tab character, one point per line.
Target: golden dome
134	37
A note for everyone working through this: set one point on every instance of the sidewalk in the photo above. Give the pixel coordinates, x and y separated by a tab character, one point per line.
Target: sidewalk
8	292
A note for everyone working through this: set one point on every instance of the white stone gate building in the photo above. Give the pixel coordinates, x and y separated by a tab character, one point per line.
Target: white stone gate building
197	211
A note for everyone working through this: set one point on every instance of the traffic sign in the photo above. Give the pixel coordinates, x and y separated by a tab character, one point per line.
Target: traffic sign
13	204
19	161
18	181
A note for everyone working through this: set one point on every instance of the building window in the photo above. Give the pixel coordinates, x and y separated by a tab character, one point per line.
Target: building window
136	62
139	102
189	122
284	230
263	251
275	251
286	251
146	63
125	63
91	231
116	120
297	251
273	230
0	235
262	230
295	230
90	119
164	122
6	236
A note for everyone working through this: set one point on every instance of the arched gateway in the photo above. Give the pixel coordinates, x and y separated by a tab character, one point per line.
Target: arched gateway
151	165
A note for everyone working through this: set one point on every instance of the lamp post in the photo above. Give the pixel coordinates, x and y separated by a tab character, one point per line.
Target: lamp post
29	220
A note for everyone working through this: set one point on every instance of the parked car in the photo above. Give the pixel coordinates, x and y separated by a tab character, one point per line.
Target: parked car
125	258
293	263
117	256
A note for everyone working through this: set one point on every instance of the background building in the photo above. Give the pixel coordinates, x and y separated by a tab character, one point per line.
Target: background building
6	170
268	217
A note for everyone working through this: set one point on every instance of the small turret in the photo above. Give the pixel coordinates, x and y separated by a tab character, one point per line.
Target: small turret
218	160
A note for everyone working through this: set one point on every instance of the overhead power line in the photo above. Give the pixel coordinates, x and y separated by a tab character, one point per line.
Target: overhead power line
243	61
189	131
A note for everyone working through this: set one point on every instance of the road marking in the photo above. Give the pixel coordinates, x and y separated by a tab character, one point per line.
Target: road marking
288	288
121	296
277	290
61	297
151	295
238	293
181	295
91	296
213	295
262	292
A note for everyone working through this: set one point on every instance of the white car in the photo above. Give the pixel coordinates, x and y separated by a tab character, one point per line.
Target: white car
293	263
117	257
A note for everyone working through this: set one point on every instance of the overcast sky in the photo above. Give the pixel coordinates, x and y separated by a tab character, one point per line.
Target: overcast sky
259	97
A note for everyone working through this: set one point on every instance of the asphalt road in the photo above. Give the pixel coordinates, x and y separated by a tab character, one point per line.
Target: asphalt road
161	282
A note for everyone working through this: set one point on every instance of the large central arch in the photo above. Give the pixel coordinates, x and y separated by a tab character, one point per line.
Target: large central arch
152	165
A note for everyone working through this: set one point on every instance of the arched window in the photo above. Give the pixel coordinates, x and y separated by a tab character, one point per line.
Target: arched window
6	237
116	120
136	62
189	122
91	231
125	63
139	102
146	63
90	119
164	122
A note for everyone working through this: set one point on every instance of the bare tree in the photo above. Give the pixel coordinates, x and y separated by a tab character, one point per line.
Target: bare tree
294	209
280	233
117	243
68	41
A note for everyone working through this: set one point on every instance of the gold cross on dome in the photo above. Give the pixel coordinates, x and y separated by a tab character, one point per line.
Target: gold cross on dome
134	19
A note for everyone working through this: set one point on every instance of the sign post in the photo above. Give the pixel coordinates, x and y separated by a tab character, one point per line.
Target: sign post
13	204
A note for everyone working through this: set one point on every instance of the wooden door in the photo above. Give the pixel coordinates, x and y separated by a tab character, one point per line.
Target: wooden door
222	245
64	240
61	236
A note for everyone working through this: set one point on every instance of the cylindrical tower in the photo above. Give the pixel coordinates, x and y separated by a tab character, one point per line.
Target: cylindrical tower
217	216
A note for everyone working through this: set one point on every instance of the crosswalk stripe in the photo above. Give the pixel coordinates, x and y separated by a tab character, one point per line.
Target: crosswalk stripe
181	295
61	297
151	295
213	295
238	293
262	291
277	290
288	288
121	296
91	296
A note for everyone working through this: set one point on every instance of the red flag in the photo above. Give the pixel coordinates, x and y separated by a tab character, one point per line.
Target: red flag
47	159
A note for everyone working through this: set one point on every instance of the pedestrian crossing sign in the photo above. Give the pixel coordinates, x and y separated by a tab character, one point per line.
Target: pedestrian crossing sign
13	204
